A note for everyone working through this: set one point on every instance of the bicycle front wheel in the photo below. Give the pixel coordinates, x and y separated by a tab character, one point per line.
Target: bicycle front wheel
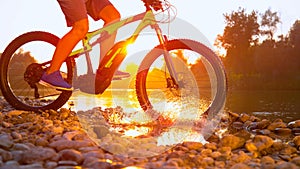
21	66
198	82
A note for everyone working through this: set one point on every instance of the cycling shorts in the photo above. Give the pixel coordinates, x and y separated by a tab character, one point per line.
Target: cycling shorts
75	10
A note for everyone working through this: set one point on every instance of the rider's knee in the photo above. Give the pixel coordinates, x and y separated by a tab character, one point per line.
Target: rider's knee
115	15
80	28
110	14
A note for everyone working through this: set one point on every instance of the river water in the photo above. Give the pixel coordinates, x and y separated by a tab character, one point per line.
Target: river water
284	104
271	104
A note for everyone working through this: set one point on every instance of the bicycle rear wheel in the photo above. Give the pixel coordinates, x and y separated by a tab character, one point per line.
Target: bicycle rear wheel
200	85
21	66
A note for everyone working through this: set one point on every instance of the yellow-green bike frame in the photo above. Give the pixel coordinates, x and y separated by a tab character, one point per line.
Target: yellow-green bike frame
147	19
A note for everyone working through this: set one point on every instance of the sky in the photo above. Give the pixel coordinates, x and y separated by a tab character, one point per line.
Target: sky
20	16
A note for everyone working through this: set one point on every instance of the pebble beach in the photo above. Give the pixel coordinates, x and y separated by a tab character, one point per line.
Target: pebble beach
59	140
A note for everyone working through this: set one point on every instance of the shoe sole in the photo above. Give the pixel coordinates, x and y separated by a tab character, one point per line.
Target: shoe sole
55	87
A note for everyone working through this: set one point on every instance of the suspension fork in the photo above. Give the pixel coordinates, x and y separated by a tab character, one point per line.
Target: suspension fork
168	58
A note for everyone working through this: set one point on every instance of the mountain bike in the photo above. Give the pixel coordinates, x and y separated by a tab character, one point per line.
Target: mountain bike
164	73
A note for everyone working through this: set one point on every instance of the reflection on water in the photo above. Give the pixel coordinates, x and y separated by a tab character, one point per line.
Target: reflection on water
110	98
272	104
264	104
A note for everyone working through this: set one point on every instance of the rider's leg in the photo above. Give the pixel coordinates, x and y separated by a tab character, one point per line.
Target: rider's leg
108	14
76	17
64	47
67	44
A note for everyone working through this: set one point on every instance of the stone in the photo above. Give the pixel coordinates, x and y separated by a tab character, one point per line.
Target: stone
233	116
232	141
6	141
262	142
277	146
10	165
240	166
220	164
296	160
70	155
244	117
288	150
171	163
215	154
212	146
283	131
70	135
50	164
95	154
243	134
254	119
101	131
275	125
67	164
12	113
205	152
267	160
284	157
287	165
294	124
6	124
67	144
241	157
207	161
296	131
17	155
64	113
6	155
41	142
57	130
32	166
264	132
263	124
296	141
20	146
237	125
116	148
193	145
16	135
37	154
97	163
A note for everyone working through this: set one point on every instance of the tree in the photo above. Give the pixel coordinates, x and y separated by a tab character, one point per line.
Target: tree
294	35
294	41
269	21
241	32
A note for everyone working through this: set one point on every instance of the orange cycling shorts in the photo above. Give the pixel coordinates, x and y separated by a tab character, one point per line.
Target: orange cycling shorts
75	10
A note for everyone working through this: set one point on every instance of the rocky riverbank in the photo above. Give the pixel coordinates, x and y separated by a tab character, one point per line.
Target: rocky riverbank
56	139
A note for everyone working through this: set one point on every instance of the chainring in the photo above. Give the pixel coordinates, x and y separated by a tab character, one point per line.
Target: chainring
33	74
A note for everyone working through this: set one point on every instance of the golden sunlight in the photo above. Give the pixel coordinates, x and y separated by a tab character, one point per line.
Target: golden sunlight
137	131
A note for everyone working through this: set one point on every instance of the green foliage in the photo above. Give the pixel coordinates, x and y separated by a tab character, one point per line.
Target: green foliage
269	23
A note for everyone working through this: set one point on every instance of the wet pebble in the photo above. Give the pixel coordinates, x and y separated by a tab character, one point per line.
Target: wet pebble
275	125
283	131
296	141
232	141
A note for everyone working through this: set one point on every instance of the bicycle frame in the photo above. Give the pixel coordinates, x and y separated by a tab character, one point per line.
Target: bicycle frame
147	19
